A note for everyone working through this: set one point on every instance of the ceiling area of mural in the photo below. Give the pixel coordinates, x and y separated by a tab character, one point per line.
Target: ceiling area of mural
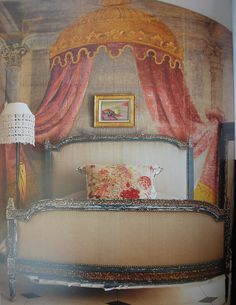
22	17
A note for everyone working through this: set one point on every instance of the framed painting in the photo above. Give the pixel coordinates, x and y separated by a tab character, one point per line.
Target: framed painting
114	111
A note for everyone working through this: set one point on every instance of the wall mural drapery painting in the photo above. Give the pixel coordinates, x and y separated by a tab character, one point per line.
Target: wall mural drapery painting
62	100
173	111
54	118
159	62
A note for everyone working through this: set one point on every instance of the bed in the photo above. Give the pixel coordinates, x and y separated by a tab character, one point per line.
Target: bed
91	239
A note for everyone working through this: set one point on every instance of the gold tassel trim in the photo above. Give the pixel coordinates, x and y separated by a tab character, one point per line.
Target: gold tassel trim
69	57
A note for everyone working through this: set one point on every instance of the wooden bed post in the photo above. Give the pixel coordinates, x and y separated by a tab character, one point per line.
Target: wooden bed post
226	134
11	248
47	178
190	171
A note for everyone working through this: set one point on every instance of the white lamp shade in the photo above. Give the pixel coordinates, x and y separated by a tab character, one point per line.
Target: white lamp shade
17	124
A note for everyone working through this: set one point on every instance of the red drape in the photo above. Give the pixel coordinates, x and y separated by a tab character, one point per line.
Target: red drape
54	118
8	171
175	115
62	101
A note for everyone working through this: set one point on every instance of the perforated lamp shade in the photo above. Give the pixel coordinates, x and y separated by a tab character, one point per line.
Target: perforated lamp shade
17	124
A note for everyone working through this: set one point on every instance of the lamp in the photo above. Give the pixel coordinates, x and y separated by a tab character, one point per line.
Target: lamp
17	126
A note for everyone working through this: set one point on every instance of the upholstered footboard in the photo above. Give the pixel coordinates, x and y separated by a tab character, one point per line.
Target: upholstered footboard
116	243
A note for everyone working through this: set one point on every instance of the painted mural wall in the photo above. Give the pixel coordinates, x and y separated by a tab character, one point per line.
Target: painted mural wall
118	40
214	9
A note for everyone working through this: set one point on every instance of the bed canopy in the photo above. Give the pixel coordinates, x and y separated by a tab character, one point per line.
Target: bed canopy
113	29
159	60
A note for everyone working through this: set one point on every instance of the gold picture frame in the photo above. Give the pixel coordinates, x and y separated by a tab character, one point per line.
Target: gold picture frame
114	110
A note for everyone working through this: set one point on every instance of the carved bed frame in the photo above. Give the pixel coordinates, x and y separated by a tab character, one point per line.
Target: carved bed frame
117	273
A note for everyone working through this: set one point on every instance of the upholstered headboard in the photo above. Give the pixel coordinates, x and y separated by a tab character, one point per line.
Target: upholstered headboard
63	158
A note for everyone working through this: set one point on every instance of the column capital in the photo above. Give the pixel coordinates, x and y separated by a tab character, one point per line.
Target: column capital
12	53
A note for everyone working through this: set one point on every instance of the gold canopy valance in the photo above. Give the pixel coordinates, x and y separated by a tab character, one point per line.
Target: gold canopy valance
119	23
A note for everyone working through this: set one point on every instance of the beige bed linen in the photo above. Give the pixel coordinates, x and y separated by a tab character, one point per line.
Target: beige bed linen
121	238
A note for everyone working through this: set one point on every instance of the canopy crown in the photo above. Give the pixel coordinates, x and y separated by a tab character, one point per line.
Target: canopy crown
117	24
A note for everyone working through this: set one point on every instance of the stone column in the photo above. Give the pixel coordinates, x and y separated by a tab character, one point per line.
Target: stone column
215	57
12	54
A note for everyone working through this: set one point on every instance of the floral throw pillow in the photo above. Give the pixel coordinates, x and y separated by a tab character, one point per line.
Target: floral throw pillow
121	181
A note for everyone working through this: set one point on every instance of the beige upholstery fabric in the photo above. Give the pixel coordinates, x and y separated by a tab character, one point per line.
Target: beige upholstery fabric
121	238
171	183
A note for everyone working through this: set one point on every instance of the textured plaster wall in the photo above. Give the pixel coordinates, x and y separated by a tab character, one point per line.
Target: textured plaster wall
219	10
